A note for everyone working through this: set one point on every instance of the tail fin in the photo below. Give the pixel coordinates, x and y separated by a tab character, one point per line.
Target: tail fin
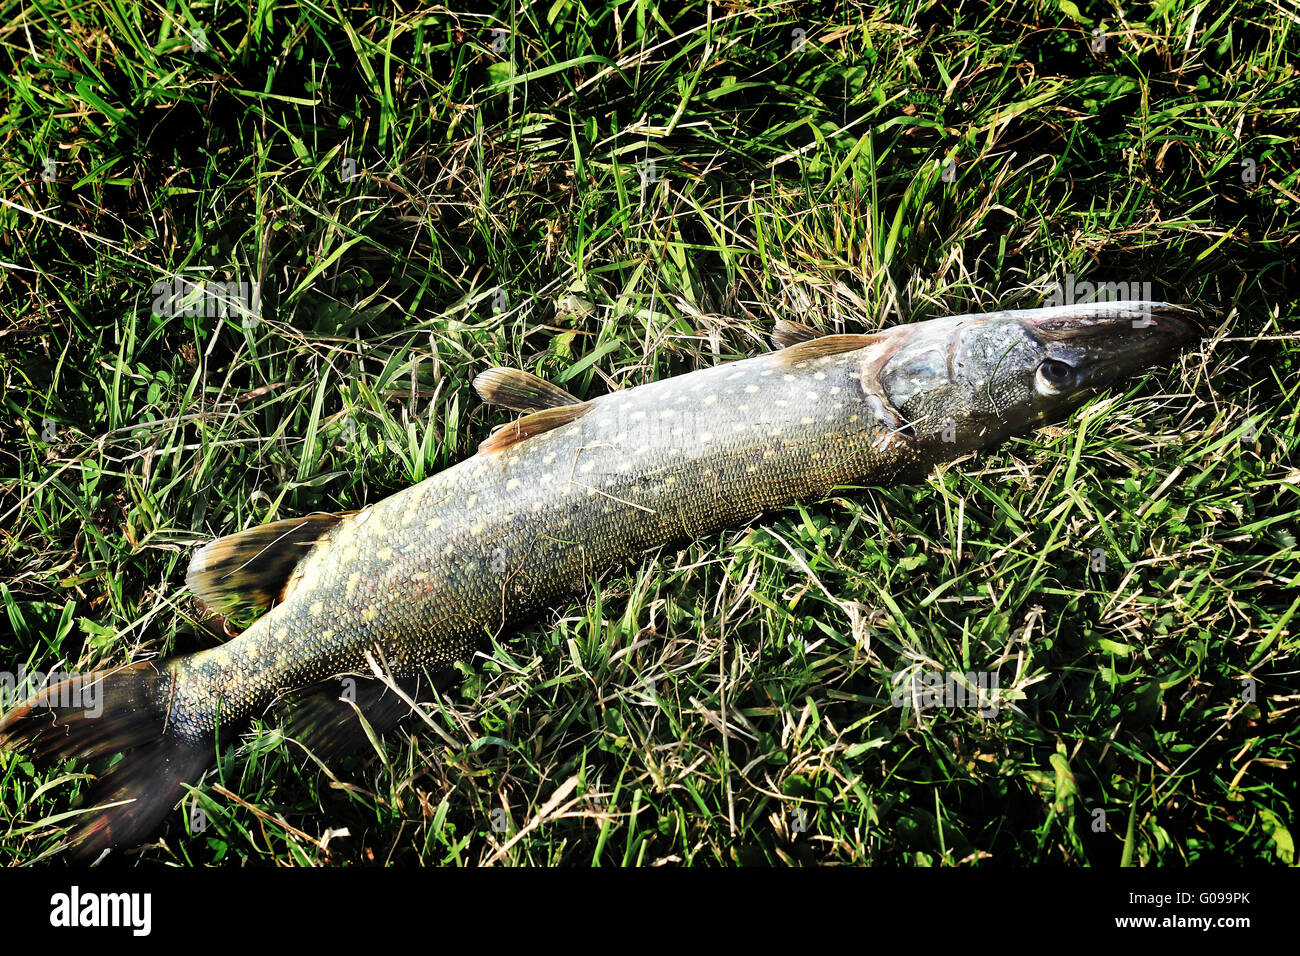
108	712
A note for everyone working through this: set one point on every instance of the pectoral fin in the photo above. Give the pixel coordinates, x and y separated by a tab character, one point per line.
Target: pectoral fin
826	345
519	390
531	425
788	332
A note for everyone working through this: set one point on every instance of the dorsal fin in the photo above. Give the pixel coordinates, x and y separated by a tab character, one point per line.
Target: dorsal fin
249	569
519	390
787	332
531	425
825	345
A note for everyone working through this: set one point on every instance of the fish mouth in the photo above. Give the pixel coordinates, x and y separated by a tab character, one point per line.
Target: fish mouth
1174	323
1179	323
1106	341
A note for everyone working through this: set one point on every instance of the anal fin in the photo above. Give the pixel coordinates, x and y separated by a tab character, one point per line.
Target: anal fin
324	718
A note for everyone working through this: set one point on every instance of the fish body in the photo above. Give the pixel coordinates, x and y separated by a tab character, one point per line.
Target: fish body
420	579
424	574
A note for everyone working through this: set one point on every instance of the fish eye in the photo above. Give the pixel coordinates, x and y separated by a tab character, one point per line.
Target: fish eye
1054	376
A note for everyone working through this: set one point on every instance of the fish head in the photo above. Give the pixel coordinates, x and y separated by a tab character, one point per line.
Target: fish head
966	382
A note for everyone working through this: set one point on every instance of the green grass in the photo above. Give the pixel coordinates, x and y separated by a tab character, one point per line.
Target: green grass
729	702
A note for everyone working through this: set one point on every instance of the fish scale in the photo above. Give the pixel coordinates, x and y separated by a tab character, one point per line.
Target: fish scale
425	575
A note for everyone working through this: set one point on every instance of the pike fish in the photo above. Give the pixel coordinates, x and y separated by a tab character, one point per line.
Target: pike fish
416	581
